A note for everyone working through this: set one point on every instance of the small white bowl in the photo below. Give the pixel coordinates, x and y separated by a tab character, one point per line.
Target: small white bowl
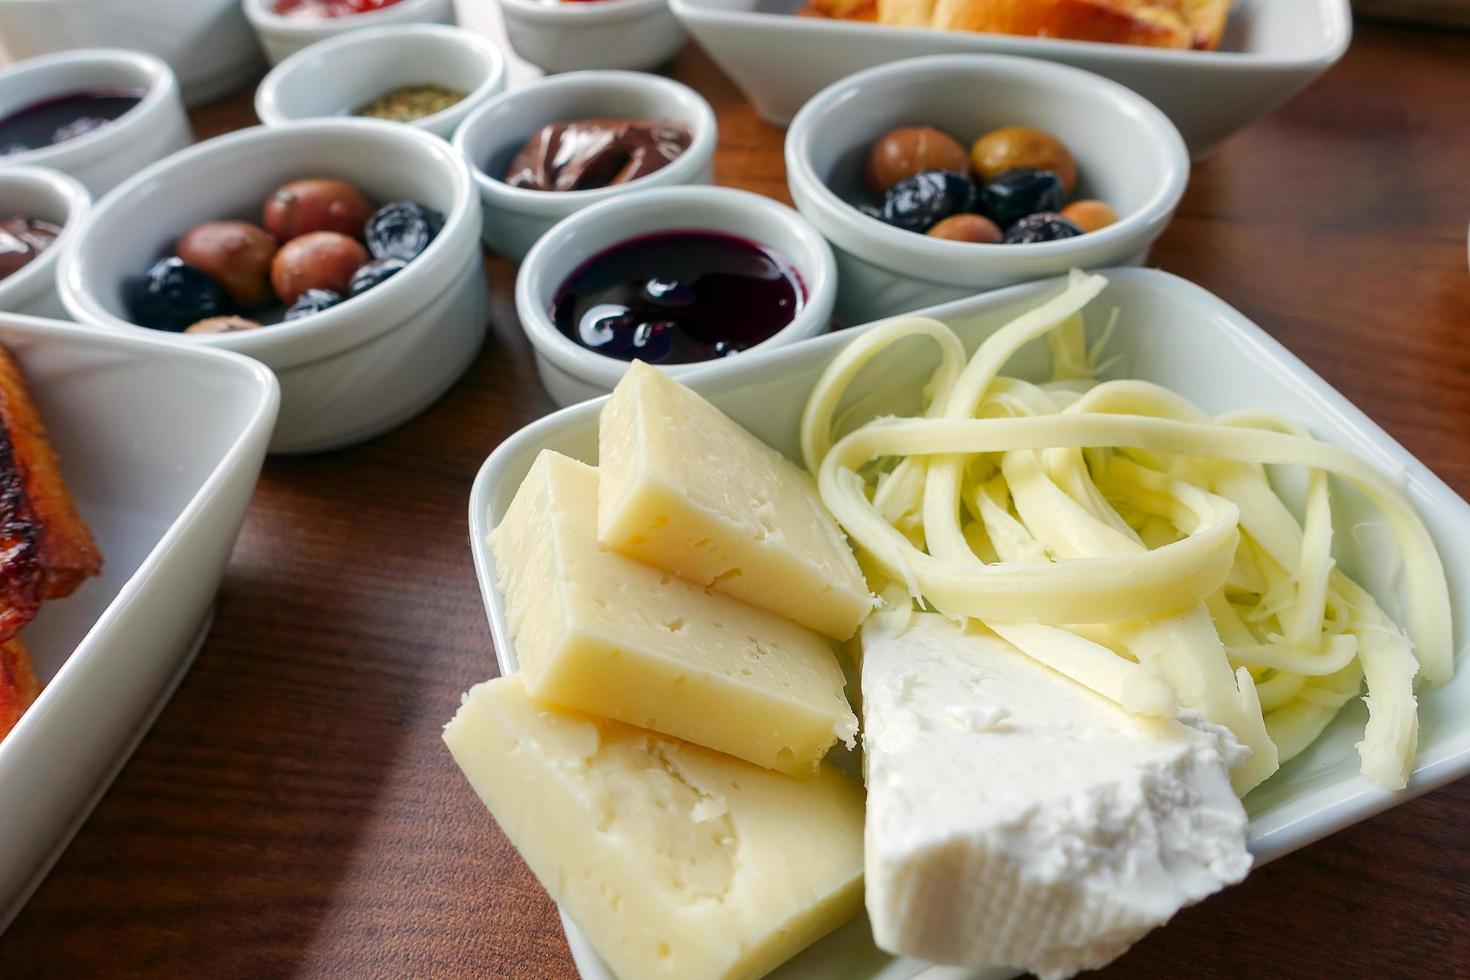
337	77
572	373
282	37
151	130
350	372
1128	154
515	216
208	43
48	195
572	35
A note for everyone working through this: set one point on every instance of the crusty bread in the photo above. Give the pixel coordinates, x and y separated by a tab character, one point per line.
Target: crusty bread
18	684
1154	23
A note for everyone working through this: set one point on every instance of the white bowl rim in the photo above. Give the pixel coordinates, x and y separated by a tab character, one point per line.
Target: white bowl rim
465	210
1154	211
1339	24
560	12
267	96
820	283
160	86
262	13
704	137
78	202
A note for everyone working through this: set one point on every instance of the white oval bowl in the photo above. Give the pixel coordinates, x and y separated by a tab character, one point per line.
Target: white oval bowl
558	36
154	128
336	77
572	373
515	217
1128	154
208	43
282	37
49	195
350	372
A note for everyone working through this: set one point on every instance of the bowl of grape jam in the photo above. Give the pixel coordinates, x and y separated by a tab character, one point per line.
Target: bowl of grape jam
678	277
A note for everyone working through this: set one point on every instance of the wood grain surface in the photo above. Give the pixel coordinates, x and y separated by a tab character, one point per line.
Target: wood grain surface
294	813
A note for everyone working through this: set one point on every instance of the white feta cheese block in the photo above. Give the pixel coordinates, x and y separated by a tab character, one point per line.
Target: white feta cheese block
1017	819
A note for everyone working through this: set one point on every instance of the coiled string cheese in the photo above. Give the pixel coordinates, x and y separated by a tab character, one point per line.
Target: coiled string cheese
1118	534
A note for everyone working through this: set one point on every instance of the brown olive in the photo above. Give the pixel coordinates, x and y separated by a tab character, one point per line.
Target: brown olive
967	228
320	260
1090	215
1020	146
304	206
904	152
222	324
235	254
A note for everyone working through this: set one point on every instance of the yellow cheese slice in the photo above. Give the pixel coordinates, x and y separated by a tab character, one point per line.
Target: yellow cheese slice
616	637
686	488
675	862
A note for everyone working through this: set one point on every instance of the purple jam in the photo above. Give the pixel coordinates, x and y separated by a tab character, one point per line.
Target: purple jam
64	117
677	297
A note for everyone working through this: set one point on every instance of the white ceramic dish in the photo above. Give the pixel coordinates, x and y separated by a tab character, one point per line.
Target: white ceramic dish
565	35
1170	332
154	128
208	43
1272	48
336	77
572	373
515	217
161	446
49	195
282	37
350	372
1127	153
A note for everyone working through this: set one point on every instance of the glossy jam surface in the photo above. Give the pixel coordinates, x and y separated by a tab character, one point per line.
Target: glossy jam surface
64	117
678	297
322	9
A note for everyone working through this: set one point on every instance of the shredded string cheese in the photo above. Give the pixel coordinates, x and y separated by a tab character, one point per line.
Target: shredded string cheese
1124	538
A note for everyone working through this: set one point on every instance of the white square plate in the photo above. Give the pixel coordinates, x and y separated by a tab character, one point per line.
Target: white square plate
1170	332
1271	49
161	445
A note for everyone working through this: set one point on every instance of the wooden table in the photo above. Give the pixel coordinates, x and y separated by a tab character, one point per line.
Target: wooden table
293	811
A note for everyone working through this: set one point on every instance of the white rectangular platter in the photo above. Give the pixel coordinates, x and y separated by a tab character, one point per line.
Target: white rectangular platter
161	445
1271	49
1169	332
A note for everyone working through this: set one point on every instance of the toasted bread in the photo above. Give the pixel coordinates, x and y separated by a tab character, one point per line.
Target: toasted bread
18	684
1154	23
45	547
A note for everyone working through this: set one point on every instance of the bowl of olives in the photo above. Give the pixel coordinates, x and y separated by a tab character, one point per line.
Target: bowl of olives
940	177
342	253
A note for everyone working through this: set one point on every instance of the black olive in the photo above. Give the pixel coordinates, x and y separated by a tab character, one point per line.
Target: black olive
401	230
919	202
172	295
1019	192
1044	226
313	301
870	211
370	274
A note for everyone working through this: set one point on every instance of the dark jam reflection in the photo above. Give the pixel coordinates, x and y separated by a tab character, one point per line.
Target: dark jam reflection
64	117
678	297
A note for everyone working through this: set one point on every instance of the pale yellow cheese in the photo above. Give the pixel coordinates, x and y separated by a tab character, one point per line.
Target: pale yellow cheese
687	489
674	861
607	634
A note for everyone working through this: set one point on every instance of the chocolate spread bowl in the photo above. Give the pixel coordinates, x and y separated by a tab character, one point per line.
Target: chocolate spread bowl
54	197
515	217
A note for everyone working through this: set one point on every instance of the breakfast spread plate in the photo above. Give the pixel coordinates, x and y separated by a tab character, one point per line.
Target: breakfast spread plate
1147	335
